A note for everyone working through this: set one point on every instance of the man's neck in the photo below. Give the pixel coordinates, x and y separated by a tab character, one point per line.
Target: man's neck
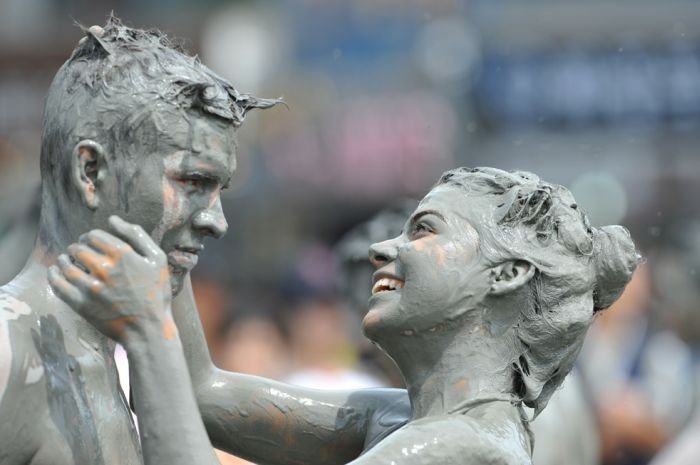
32	285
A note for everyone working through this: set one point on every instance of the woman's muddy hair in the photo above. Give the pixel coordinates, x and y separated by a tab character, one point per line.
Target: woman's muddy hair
580	270
115	78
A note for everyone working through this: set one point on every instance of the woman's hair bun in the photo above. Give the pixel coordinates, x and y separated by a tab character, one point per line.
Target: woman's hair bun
615	260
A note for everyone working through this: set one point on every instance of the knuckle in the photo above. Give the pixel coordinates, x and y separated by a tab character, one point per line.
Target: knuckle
96	287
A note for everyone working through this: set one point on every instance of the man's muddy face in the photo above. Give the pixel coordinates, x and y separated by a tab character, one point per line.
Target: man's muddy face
175	192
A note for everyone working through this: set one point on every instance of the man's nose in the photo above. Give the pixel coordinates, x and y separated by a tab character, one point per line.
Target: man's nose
382	253
211	220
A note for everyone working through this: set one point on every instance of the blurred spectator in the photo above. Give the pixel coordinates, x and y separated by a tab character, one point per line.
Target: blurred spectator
640	373
323	355
17	237
566	431
677	288
253	344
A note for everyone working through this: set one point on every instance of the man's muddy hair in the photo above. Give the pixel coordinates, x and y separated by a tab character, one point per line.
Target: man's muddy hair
113	80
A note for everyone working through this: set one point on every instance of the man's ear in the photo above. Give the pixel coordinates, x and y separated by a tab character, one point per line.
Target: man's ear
510	276
88	169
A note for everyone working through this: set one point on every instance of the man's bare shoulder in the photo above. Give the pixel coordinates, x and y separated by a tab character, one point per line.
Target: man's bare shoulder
15	314
20	370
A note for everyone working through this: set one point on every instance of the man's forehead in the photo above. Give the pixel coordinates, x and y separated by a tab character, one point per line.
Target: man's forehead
194	132
222	162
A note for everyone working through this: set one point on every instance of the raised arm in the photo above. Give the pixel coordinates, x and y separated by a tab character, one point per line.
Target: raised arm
125	294
271	422
121	286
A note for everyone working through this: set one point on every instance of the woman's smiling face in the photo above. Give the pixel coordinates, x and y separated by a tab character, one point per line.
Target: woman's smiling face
433	272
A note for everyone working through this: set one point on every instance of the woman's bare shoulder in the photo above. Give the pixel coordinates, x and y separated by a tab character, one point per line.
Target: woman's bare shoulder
449	439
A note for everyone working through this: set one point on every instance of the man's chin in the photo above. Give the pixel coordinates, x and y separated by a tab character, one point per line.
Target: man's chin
177	280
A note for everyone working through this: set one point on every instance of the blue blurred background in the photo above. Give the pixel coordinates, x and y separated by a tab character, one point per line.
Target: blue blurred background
602	96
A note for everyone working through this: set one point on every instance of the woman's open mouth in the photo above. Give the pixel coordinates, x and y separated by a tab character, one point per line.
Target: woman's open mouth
386	284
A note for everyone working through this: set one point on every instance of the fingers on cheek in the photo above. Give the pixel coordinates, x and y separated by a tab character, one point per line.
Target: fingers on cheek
109	249
77	277
65	290
99	266
70	272
99	243
106	243
83	254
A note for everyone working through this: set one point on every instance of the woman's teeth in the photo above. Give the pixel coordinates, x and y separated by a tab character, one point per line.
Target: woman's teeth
386	284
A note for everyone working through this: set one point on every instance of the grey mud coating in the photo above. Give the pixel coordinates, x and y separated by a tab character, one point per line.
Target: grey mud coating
482	302
136	128
65	390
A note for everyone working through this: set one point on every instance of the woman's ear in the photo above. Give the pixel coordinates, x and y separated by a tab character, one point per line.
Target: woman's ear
510	276
88	169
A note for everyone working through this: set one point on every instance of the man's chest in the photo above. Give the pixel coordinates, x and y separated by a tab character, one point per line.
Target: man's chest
70	390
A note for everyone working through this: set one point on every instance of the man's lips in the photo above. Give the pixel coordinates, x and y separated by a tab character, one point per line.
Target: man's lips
195	249
384	282
184	256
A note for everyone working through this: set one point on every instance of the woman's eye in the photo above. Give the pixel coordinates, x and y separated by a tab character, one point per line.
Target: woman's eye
422	228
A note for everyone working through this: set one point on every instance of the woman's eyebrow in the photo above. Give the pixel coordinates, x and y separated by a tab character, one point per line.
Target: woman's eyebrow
422	213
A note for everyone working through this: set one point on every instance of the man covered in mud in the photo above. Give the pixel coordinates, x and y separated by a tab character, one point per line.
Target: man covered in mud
135	128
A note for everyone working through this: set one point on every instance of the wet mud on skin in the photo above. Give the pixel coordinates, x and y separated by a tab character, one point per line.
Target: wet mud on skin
10	309
65	390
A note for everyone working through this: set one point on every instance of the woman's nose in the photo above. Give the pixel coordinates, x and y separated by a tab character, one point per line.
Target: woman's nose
382	253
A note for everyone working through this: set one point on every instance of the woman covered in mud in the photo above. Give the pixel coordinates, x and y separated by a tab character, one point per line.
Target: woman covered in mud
483	303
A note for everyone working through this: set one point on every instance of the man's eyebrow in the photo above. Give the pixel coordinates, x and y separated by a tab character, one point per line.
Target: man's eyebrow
423	213
207	168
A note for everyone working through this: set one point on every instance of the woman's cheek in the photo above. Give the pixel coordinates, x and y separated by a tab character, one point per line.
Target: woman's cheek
434	250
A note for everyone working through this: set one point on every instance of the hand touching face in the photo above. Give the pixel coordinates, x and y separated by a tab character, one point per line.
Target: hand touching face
118	281
175	194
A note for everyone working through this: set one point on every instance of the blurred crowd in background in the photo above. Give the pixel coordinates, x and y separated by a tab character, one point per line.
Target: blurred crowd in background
602	96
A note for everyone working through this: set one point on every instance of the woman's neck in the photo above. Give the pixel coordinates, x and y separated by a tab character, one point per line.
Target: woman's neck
445	372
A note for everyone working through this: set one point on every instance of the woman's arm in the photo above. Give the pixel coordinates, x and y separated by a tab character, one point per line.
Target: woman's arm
122	287
171	428
126	296
271	422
